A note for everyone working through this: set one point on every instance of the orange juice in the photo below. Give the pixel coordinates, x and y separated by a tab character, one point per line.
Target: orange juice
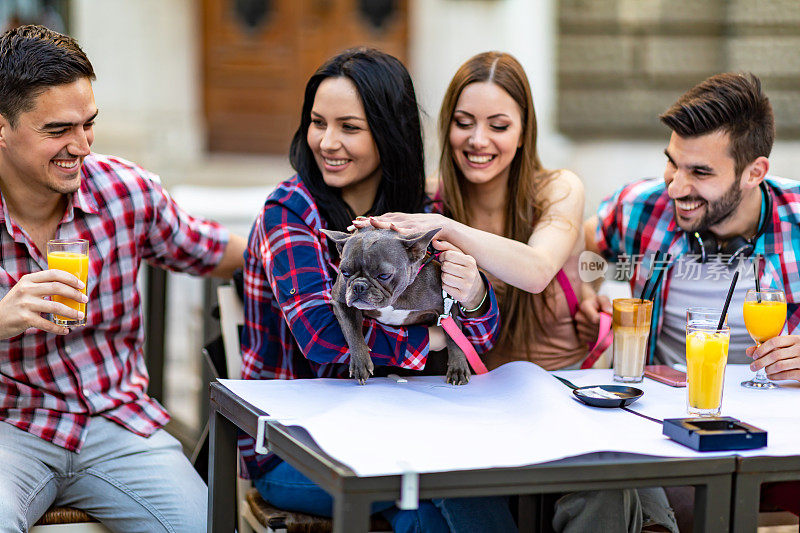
76	264
764	320
706	356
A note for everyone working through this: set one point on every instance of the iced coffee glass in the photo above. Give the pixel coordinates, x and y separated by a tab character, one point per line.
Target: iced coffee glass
631	323
706	358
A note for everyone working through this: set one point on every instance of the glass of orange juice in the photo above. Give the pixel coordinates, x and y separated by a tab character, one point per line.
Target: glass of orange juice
706	357
764	316
69	255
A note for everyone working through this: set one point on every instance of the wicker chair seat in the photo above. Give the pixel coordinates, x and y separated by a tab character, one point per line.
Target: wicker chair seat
64	515
294	522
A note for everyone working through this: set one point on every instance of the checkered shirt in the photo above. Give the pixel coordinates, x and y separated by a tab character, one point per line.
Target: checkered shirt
639	220
290	330
50	384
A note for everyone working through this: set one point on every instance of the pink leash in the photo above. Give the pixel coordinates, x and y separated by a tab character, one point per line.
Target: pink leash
449	324
604	338
605	335
566	286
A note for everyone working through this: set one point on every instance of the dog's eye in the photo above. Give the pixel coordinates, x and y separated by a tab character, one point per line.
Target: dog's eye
346	273
384	277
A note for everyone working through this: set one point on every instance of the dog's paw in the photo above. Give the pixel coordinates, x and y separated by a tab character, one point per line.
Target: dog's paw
361	368
457	374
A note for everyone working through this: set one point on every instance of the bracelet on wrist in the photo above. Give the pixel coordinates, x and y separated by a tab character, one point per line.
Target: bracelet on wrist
485	294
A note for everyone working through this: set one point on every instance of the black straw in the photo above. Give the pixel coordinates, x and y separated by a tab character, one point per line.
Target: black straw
728	300
756	264
647	283
655	287
657	284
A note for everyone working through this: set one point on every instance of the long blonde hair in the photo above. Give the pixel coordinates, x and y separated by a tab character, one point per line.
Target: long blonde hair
524	204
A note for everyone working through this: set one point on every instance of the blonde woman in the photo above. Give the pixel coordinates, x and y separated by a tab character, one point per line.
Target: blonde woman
521	222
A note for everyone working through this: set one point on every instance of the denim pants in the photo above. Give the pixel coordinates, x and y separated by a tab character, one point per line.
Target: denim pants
619	511
286	488
128	482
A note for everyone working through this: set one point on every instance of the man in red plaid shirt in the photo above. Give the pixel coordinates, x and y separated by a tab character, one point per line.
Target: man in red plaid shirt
78	428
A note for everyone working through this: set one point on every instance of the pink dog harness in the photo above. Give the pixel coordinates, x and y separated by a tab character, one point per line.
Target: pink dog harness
451	328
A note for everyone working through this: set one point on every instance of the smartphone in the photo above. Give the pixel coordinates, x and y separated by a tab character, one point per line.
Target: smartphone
666	374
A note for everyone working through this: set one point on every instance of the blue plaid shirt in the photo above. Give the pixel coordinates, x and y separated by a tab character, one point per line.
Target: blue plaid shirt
639	220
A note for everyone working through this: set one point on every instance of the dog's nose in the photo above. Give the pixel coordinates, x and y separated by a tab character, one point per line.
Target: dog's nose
359	287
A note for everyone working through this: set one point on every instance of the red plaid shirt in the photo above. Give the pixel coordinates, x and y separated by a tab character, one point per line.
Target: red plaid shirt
50	384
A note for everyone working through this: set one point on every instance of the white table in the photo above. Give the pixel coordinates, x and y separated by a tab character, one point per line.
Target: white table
775	410
516	430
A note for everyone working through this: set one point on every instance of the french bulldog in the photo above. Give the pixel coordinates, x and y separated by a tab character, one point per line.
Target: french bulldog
384	275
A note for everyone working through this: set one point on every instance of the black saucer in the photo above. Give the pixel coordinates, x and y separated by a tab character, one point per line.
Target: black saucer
625	395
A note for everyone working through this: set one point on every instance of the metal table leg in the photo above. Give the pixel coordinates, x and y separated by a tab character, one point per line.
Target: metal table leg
529	513
746	500
221	474
712	504
351	514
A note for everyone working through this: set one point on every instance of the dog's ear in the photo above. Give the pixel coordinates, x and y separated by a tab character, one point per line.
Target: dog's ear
417	243
339	237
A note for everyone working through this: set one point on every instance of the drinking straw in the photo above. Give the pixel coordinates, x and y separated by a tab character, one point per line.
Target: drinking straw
647	283
728	300
756	264
657	284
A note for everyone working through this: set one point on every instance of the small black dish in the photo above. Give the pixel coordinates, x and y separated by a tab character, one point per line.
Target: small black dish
625	395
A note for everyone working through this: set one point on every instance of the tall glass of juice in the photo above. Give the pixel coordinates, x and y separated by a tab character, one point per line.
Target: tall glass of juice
706	358
69	255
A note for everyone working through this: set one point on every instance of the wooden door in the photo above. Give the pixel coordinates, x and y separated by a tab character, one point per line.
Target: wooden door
259	54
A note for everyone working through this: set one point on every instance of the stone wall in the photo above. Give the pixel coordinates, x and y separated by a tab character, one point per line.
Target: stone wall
622	62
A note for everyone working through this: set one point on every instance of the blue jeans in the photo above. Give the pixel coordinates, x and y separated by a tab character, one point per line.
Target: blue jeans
623	510
128	482
286	488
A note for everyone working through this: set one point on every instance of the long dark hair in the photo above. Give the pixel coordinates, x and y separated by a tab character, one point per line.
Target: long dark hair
386	92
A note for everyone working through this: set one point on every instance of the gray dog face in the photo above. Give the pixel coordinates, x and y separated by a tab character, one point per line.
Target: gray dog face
377	265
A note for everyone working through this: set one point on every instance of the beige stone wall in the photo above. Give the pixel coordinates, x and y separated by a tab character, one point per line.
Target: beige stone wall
621	62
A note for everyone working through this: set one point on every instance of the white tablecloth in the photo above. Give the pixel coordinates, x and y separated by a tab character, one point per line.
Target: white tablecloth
775	410
515	415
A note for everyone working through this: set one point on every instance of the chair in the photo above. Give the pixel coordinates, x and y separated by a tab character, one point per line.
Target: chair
255	514
67	520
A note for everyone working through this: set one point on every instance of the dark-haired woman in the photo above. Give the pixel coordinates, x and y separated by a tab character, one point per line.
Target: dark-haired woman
358	151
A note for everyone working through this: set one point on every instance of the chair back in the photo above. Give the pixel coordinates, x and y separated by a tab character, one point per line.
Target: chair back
231	318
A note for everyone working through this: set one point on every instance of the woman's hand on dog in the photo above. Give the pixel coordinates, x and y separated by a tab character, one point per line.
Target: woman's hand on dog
460	275
405	223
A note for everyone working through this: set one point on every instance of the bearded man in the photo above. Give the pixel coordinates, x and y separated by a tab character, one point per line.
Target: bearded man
714	212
